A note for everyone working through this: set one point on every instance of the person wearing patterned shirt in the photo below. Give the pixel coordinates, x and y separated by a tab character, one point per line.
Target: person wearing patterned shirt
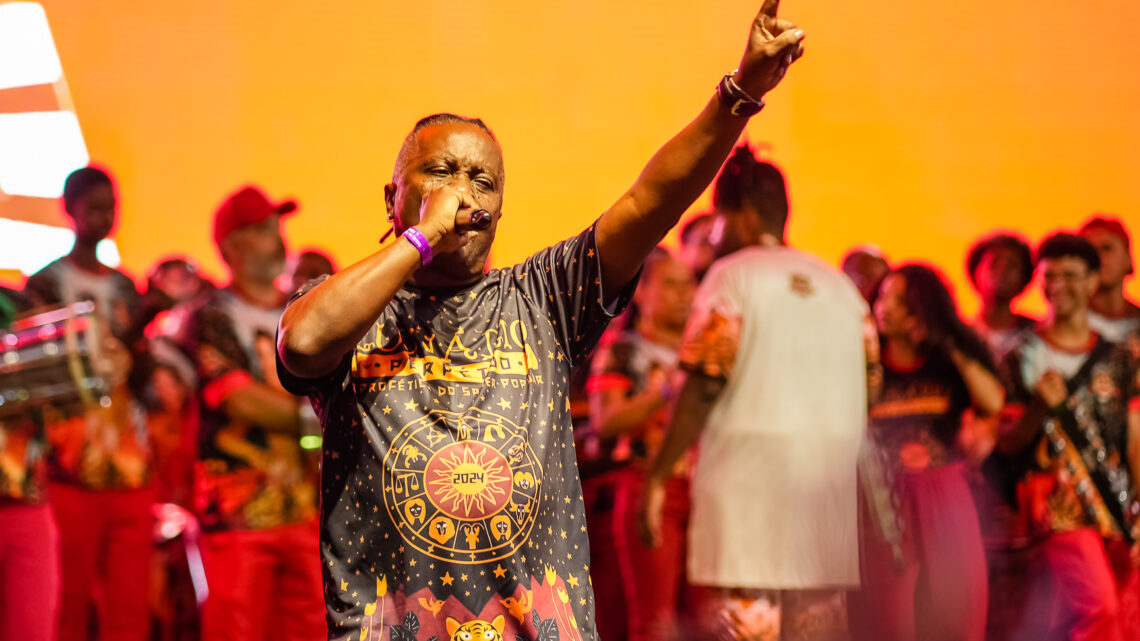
1063	445
450	494
29	537
934	369
629	391
255	502
1111	314
776	355
98	462
1000	267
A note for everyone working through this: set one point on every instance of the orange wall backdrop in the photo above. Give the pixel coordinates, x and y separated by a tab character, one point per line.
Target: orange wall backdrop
915	126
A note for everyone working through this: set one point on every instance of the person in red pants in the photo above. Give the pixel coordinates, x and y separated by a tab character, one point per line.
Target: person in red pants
98	462
29	539
254	497
629	391
1062	448
924	576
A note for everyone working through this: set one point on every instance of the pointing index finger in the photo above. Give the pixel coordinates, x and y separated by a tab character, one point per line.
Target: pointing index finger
769	8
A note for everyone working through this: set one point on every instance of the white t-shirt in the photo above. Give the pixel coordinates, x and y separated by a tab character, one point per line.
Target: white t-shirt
1113	330
774	494
1038	356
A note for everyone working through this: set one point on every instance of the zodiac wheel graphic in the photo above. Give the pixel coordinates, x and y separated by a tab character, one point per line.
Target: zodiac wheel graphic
463	488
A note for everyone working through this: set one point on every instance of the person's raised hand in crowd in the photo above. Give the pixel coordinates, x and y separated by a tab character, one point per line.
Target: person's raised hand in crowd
773	45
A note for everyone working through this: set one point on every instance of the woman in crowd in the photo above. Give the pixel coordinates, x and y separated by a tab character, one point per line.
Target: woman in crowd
925	576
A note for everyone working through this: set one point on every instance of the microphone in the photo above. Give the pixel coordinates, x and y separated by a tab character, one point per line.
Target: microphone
479	220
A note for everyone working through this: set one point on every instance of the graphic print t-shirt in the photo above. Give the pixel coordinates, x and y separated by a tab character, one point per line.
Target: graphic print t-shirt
106	449
918	414
247	478
1052	497
451	499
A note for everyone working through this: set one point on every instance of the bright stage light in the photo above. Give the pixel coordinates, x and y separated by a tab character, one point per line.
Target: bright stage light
27	51
37	152
28	247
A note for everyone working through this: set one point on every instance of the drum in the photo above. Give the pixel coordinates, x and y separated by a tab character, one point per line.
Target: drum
52	358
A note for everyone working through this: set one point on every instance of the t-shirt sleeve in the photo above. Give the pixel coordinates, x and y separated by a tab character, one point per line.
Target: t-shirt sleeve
712	335
567	279
311	387
42	288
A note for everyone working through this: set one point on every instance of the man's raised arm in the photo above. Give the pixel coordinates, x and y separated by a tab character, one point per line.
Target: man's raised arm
681	169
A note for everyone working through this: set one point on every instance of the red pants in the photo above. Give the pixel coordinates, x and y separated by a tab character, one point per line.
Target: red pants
29	573
1068	592
599	493
1127	588
264	585
105	552
654	577
940	591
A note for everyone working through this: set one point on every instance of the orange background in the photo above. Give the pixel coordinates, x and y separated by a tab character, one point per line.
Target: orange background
915	126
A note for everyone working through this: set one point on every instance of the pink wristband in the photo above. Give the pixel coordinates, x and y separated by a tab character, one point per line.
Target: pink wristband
413	236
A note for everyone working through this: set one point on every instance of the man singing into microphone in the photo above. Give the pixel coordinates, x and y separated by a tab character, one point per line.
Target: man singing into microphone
451	505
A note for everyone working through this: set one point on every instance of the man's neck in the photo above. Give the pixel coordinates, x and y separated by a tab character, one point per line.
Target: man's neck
1111	302
770	240
85	257
997	315
259	294
1070	332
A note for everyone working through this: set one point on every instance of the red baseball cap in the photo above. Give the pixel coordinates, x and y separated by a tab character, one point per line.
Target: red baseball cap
247	206
1111	225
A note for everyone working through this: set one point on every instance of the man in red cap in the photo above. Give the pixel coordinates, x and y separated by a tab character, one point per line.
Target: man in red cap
255	500
1111	314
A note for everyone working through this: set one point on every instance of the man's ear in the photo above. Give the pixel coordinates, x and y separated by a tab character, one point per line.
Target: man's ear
390	200
225	248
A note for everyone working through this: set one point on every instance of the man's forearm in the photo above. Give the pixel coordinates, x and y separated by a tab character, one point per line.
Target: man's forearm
694	403
626	414
268	408
323	325
986	392
670	182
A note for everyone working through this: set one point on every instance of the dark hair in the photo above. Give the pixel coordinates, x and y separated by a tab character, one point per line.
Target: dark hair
81	181
1066	245
689	229
1003	240
929	298
437	119
747	183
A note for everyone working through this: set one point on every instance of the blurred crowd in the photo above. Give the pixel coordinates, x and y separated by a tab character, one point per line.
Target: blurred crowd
990	465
